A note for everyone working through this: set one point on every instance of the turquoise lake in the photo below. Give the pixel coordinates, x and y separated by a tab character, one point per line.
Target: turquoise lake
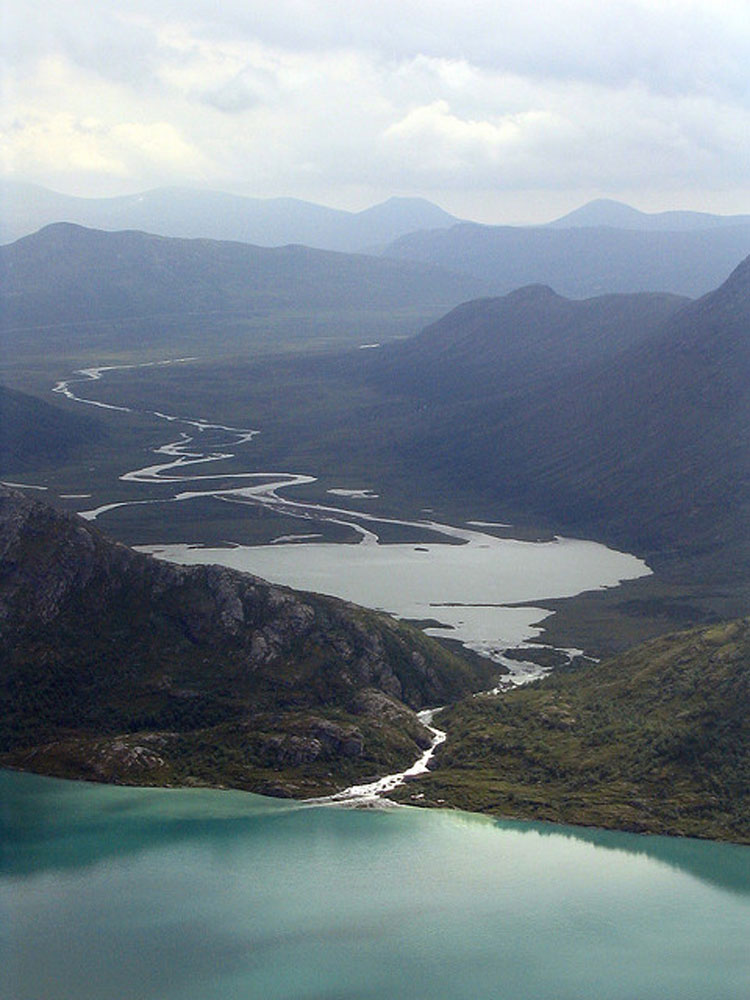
133	894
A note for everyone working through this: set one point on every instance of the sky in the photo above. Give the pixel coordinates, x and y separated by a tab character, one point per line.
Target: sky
497	111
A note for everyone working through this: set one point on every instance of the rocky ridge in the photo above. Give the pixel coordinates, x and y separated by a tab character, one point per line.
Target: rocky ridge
117	666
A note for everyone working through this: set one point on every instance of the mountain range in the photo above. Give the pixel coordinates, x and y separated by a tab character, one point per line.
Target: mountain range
71	288
624	415
216	215
620	417
604	246
581	261
625	419
650	446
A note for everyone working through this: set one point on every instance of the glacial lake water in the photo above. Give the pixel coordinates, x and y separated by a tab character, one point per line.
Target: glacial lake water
140	894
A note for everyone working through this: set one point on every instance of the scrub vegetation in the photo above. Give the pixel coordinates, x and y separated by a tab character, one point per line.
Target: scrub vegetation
654	741
117	667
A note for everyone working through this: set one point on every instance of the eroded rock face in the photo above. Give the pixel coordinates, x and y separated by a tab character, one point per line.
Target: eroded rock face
51	562
98	642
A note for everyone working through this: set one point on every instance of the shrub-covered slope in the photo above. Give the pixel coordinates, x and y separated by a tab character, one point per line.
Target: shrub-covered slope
656	740
34	432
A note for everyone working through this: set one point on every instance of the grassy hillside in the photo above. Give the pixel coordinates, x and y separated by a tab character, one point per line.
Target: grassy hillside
494	346
34	432
657	740
655	445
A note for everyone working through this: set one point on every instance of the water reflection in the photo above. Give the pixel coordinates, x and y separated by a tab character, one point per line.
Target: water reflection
50	825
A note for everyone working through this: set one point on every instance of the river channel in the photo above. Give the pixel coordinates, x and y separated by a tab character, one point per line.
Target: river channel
464	583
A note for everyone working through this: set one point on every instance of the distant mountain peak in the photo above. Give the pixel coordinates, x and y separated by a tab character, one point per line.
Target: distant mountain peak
197	213
601	212
533	293
403	199
618	215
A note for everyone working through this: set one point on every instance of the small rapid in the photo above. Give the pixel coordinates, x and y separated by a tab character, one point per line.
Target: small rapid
371	793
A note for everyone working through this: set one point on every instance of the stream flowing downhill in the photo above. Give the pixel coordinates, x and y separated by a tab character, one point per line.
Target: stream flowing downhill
458	588
371	793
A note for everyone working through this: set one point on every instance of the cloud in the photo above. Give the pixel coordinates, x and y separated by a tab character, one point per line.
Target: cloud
62	144
250	88
668	45
438	140
47	142
318	99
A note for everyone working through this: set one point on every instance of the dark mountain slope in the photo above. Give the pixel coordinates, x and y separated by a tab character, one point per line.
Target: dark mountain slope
118	667
582	262
651	448
528	336
65	274
216	215
657	740
33	431
647	449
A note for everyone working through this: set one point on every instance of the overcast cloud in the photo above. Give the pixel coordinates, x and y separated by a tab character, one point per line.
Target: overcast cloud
498	111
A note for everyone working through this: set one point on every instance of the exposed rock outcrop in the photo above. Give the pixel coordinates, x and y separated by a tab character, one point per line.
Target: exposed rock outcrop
100	641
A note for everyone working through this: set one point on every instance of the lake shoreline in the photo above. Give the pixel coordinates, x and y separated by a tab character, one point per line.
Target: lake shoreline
402	796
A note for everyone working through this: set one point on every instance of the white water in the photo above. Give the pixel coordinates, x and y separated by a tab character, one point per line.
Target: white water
354	494
371	793
22	486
